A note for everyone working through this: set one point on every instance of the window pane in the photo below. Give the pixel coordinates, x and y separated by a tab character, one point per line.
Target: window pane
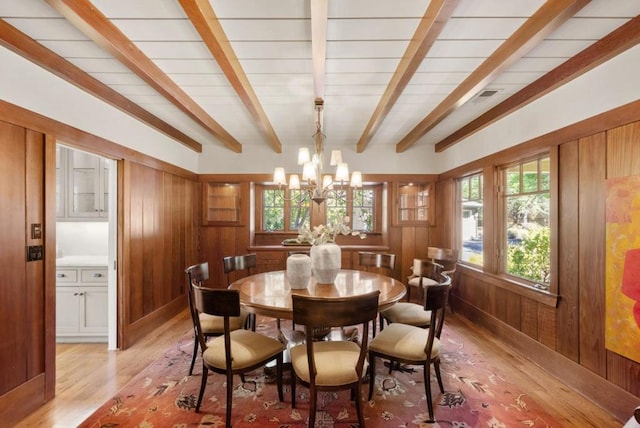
474	188
530	177
513	180
273	209
545	173
300	211
527	226
471	214
336	205
362	210
464	189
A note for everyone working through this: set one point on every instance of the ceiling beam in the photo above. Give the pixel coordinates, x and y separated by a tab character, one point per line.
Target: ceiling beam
319	18
206	23
18	42
88	19
613	44
551	15
435	17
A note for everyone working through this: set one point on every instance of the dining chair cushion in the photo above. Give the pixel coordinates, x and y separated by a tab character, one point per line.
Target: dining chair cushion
415	281
247	348
335	362
212	324
407	313
404	342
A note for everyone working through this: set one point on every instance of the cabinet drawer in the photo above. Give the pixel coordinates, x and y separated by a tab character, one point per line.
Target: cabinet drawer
93	275
66	275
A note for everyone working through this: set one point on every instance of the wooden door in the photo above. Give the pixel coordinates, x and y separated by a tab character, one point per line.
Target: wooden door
22	282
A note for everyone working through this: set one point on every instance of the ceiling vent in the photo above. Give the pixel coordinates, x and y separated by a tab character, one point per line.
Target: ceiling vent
484	95
487	93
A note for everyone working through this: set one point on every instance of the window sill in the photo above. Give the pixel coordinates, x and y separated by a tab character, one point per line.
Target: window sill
505	283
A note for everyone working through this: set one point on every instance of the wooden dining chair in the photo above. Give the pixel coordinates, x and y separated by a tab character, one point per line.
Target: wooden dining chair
378	262
448	258
246	265
331	365
211	326
429	273
236	351
410	345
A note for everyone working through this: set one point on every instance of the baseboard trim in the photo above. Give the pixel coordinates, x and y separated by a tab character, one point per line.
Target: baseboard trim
603	393
144	326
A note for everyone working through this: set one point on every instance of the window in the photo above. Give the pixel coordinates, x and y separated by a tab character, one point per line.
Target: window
360	211
280	210
470	204
526	240
283	207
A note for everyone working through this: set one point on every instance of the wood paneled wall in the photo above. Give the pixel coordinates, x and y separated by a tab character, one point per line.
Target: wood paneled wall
157	239
217	242
160	241
567	340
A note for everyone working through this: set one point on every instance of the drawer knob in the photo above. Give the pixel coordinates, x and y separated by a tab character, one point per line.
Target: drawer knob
60	275
97	275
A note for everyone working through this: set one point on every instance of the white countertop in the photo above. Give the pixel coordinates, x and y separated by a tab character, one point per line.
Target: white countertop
83	261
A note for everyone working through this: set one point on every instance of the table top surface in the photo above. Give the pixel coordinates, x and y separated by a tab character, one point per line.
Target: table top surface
269	293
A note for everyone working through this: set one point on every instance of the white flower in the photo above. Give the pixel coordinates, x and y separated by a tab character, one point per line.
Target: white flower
323	233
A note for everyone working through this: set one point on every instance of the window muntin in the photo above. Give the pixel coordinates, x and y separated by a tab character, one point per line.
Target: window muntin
282	211
363	207
470	206
273	209
526	244
336	207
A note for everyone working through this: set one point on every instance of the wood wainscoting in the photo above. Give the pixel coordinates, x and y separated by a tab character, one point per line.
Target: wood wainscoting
567	338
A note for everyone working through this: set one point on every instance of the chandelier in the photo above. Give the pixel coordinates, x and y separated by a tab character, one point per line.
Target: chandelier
316	185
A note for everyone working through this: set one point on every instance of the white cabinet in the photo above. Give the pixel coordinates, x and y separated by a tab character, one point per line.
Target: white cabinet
82	185
81	304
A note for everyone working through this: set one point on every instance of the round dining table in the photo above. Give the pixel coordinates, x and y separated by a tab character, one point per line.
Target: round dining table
269	293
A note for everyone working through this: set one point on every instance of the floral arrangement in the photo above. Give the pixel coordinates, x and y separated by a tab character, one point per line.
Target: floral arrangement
324	233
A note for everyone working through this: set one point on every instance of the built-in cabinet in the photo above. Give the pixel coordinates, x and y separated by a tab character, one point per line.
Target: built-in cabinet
82	190
412	204
81	304
222	203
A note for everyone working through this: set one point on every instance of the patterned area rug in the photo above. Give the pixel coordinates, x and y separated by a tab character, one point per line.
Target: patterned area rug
476	395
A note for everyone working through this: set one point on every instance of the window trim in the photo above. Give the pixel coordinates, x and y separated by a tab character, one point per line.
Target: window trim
490	273
499	269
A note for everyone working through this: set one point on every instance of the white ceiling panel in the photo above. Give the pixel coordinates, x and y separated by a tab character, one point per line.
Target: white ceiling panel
174	50
365	49
75	49
377	9
371	29
497	8
480	28
260	9
175	30
145	9
273	30
558	48
610	9
56	28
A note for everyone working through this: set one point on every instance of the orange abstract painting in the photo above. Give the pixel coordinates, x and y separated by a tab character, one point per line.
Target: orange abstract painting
623	267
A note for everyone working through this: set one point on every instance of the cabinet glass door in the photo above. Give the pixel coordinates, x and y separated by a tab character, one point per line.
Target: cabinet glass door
87	180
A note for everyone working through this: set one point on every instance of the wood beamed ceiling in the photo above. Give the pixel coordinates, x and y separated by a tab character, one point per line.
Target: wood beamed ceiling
239	73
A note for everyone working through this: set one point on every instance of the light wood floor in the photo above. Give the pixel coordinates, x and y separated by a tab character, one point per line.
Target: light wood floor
88	375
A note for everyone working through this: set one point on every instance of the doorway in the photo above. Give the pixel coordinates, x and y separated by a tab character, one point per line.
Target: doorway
86	247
